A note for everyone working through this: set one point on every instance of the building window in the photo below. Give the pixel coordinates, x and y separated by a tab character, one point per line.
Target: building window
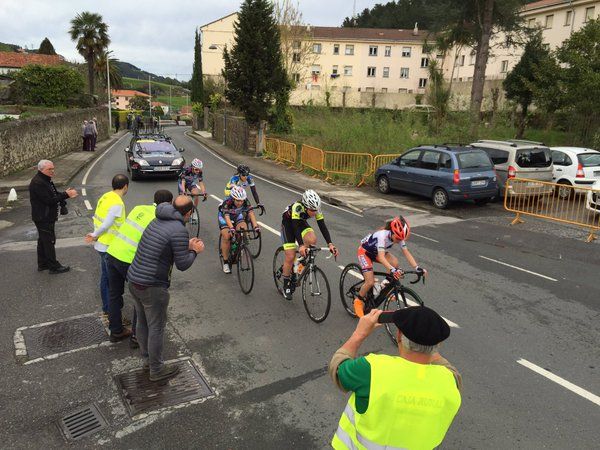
568	18
315	70
472	58
460	60
546	46
402	91
422	83
315	87
373	50
386	72
347	71
316	48
349	49
531	22
296	57
334	70
296	77
404	72
388	50
336	49
406	52
549	21
370	71
369	89
424	62
439	56
346	89
296	45
504	67
383	90
589	13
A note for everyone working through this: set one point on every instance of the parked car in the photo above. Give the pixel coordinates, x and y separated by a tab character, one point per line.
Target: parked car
592	201
443	173
520	159
575	166
153	154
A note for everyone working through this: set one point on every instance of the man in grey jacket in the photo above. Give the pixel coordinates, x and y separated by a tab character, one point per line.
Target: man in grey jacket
165	242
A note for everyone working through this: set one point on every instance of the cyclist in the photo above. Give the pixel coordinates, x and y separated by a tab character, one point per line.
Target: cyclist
231	217
190	180
374	247
243	178
295	228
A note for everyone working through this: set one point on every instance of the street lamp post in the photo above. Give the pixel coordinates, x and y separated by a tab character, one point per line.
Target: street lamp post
108	93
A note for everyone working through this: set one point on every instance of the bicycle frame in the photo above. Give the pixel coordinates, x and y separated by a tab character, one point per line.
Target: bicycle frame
393	285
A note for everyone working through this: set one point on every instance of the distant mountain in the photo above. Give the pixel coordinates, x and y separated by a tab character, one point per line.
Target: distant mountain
130	71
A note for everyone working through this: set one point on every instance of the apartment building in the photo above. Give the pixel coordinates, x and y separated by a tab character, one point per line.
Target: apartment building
121	97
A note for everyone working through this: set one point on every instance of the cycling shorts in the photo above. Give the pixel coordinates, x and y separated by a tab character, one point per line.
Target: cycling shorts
235	221
365	259
188	186
288	238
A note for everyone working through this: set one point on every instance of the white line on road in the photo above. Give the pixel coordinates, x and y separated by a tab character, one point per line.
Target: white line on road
425	237
20	246
564	383
410	302
216	198
83	192
268	228
88	205
84	181
518	268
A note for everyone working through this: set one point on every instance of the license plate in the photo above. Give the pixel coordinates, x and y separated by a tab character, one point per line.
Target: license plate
597	173
478	183
161	168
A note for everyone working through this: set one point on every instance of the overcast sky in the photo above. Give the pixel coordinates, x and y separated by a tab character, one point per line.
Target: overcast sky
154	35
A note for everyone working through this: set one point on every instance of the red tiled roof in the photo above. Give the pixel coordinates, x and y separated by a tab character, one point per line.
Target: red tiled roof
17	60
543	3
127	93
370	34
186	109
158	104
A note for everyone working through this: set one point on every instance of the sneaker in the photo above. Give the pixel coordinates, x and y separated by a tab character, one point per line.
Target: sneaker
287	289
42	268
165	373
133	342
117	337
226	268
59	269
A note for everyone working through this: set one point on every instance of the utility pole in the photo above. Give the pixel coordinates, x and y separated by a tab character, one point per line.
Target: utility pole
108	92
170	112
150	92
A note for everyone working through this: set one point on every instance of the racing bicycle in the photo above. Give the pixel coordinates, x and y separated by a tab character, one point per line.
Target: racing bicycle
193	224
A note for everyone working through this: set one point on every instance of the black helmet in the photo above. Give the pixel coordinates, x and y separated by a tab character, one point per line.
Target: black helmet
243	170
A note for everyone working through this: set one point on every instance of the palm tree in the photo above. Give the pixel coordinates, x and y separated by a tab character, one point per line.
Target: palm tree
116	79
91	34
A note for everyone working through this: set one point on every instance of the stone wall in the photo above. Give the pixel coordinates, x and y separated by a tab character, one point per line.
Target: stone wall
237	133
24	142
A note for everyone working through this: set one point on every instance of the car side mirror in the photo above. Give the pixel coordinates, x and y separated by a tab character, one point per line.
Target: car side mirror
126	149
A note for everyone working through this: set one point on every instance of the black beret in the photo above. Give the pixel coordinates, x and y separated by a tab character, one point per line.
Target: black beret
420	324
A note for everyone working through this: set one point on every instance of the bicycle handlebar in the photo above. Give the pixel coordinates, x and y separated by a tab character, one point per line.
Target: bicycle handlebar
420	276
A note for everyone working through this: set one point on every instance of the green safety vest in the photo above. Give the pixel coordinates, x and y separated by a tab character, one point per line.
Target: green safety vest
106	202
124	245
411	406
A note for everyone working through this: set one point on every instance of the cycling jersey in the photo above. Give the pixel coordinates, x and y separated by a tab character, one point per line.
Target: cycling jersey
235	213
190	179
294	225
372	244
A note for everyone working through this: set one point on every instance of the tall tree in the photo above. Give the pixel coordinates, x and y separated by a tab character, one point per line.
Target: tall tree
398	14
197	83
91	34
46	48
254	70
114	72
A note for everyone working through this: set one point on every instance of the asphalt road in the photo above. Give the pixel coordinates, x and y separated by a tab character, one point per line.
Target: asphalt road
523	300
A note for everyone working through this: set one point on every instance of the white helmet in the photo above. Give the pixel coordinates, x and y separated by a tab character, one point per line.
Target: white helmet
311	200
196	163
238	193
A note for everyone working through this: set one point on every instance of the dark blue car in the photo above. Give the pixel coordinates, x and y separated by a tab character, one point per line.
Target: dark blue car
444	173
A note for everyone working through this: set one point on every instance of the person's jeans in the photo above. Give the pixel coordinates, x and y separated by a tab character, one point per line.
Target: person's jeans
104	281
117	276
151	304
46	253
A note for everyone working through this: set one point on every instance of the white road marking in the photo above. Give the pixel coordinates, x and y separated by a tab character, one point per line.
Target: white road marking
20	246
56	355
425	237
266	180
216	198
88	205
410	302
83	192
268	228
518	268
561	381
84	181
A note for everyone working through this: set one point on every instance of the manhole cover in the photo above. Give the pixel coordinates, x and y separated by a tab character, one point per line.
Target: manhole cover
82	423
142	395
63	336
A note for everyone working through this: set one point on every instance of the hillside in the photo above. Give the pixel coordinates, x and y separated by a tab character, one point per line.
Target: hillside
130	71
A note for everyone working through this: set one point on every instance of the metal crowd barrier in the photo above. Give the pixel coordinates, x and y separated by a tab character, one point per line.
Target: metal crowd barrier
312	157
380	160
272	148
287	152
349	164
578	206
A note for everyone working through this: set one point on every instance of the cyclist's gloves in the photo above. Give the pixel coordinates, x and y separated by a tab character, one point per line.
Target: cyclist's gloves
420	271
397	273
257	229
205	196
232	231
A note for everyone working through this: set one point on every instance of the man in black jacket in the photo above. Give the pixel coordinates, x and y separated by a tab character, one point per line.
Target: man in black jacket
45	201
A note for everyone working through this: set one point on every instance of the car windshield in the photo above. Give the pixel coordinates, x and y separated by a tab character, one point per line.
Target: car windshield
534	157
474	160
156	147
589	159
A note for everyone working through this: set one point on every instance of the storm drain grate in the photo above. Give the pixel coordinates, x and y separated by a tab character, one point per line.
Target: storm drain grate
81	423
141	395
63	336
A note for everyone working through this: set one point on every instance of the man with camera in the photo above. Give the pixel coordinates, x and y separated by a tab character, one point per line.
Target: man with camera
405	401
45	202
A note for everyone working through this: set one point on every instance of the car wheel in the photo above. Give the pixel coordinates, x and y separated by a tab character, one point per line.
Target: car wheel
440	198
564	193
383	184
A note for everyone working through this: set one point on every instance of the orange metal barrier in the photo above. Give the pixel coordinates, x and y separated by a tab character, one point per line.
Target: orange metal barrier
558	202
380	160
287	152
312	157
350	164
271	148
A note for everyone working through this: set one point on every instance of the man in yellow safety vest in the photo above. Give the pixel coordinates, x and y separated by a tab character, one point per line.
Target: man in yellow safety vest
397	402
121	252
108	217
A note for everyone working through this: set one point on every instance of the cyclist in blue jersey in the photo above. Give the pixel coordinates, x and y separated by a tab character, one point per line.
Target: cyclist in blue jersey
244	179
375	247
190	180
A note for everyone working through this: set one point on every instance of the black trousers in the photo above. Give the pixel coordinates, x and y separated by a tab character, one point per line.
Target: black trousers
117	275
46	254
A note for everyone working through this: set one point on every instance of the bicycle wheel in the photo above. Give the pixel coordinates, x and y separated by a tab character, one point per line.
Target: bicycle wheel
193	224
254	241
245	270
316	294
350	284
278	259
221	260
406	297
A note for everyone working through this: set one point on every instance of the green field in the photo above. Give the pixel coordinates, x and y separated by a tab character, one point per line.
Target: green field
162	88
176	102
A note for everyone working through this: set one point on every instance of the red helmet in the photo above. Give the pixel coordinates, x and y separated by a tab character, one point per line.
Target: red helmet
400	228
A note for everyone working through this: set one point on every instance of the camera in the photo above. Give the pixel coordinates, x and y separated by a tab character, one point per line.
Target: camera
63	208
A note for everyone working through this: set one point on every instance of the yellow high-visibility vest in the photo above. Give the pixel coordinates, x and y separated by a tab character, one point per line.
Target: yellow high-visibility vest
411	406
106	202
125	242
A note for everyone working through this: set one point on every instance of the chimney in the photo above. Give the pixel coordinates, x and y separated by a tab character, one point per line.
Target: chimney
416	29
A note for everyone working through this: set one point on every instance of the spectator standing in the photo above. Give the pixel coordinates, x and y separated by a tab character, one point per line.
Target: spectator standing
88	133
95	133
405	401
108	217
117	124
120	255
164	242
83	146
45	201
129	117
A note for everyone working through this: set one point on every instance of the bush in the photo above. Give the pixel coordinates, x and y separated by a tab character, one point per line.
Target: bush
49	86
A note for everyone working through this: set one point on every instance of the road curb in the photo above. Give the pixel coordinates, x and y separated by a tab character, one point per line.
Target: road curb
328	198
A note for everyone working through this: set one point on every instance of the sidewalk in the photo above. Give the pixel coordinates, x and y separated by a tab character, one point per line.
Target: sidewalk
67	166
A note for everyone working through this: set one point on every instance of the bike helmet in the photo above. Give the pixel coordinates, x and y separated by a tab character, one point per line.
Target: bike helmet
238	193
197	164
311	200
400	228
243	170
